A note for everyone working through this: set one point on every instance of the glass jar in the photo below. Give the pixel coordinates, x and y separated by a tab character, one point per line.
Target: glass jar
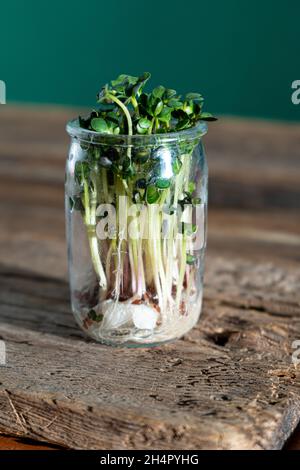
136	229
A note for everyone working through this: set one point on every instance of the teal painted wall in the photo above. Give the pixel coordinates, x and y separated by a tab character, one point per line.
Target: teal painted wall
242	55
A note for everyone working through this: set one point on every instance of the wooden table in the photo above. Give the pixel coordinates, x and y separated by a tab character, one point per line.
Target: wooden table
228	384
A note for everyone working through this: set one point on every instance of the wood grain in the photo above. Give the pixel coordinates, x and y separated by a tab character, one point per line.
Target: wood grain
228	384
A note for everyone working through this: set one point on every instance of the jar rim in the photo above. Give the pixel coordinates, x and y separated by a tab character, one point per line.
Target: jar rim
85	135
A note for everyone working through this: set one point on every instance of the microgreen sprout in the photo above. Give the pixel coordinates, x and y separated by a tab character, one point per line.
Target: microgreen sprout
125	108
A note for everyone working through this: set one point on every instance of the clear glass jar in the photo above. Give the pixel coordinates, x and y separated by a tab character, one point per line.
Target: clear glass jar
136	228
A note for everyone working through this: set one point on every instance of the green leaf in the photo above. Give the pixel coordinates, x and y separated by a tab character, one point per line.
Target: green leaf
99	125
194	97
106	107
124	79
143	125
188	107
158	92
141	156
190	259
196	201
207	117
191	187
143	101
142	80
165	114
124	85
197	109
176	166
158	108
169	93
152	194
113	116
182	124
94	316
127	169
175	104
84	122
128	85
162	183
141	130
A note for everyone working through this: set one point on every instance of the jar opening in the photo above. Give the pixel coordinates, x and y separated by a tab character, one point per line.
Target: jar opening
74	130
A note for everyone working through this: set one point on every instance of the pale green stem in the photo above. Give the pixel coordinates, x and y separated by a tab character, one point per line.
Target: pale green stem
181	273
135	105
153	254
125	111
90	221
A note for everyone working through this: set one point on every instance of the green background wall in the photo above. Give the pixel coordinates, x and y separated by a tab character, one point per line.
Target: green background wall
242	55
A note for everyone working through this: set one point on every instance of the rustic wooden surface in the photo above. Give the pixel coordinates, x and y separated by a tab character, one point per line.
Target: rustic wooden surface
228	384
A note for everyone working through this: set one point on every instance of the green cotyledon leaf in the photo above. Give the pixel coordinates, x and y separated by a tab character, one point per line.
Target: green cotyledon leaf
162	183
99	125
152	194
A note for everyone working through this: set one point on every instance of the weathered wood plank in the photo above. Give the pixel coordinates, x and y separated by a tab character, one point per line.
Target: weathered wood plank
230	383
